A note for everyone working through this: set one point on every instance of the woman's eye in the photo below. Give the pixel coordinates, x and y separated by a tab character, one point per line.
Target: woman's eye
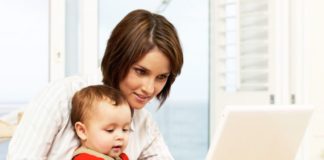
139	71
162	77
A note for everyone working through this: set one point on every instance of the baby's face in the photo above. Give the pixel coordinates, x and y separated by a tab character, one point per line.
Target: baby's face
107	128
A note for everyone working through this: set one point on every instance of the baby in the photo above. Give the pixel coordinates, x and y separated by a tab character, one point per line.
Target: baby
101	118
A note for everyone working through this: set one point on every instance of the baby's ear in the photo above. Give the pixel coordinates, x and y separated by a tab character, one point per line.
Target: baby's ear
81	130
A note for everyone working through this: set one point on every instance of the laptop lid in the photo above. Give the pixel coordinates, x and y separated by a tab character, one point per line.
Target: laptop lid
260	133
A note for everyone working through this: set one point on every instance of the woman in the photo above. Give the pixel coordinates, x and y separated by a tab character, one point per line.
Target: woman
142	59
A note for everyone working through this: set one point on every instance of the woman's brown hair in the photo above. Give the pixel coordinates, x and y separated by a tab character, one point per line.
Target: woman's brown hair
133	37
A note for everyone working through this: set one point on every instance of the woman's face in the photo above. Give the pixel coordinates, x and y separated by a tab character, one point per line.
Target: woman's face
145	78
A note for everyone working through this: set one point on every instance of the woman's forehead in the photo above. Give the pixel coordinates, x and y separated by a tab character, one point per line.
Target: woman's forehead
155	61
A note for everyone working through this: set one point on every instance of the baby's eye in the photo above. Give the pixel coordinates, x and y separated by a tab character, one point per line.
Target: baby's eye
126	130
110	130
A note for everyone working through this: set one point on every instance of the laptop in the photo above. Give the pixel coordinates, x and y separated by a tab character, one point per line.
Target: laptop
260	133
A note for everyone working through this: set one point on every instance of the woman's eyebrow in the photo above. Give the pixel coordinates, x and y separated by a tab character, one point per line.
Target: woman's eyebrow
166	74
142	67
147	70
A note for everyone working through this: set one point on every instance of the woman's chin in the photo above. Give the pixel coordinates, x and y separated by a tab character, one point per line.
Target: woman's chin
136	106
137	103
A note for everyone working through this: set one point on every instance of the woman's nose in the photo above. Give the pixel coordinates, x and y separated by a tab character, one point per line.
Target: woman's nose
148	87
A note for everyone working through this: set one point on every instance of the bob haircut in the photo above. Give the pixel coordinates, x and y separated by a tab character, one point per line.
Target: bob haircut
134	36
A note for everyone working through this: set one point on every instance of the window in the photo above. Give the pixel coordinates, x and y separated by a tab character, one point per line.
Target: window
24	51
242	54
24	58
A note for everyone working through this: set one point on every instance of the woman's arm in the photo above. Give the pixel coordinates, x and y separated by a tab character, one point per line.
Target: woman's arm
156	149
40	124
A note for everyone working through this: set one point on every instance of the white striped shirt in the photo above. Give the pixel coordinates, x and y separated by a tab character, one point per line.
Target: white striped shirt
46	132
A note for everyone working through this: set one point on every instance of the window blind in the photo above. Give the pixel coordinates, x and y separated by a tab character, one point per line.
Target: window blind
243	39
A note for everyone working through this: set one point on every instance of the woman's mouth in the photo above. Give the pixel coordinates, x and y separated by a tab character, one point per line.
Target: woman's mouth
142	98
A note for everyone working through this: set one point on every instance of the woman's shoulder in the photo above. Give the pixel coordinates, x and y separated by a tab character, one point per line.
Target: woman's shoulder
74	83
82	79
79	79
61	90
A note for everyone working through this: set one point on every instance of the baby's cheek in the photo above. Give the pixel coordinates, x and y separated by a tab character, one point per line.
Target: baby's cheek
125	142
105	144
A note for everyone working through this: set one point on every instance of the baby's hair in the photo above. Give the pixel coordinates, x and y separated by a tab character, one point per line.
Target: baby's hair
83	101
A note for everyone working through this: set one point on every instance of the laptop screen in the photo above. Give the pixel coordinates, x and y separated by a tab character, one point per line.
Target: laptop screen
259	133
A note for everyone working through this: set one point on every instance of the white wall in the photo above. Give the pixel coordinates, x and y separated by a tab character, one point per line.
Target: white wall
314	50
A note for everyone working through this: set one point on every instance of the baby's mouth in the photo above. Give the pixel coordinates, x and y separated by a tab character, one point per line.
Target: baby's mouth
116	148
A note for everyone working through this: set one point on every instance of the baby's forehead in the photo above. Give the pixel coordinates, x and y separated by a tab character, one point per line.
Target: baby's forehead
96	104
108	100
104	106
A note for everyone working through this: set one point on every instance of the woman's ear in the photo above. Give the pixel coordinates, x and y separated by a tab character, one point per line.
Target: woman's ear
81	130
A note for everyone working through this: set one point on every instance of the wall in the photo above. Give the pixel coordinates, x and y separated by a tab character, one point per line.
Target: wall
314	52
